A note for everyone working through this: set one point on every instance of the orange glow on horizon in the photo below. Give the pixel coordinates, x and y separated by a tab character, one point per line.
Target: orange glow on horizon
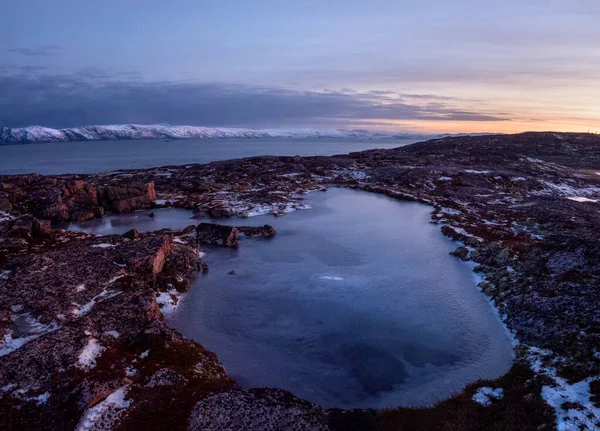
512	126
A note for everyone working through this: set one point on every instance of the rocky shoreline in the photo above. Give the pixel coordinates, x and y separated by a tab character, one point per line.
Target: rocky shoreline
85	345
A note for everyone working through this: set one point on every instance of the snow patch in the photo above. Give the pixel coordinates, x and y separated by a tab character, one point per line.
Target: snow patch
29	328
4	216
330	277
462	231
23	394
168	300
445	178
163	202
82	310
115	278
130	372
89	354
566	190
581	199
486	395
252	210
43	398
471	171
103	246
562	395
357	175
104	414
449	211
39	399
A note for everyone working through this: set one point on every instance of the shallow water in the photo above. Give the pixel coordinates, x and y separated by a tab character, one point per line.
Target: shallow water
172	218
355	303
99	156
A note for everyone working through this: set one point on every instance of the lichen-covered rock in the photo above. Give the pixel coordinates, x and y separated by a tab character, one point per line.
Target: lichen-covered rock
166	377
257	410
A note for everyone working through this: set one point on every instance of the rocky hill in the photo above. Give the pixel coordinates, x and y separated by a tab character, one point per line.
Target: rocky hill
39	134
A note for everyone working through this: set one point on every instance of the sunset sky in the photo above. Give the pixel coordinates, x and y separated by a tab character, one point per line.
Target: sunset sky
424	66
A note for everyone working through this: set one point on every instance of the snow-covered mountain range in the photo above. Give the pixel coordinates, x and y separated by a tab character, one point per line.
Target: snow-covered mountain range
39	134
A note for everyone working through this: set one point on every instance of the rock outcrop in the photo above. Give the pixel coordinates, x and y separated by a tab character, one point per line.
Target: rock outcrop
217	234
129	197
257	410
82	327
63	199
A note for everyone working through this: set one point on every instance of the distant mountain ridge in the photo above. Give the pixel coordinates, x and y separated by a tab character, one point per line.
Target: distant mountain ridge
39	134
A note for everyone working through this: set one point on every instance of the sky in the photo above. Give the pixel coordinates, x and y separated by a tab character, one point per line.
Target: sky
429	66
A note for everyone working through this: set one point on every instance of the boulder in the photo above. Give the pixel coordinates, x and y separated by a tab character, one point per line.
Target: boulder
129	197
461	252
52	208
40	228
218	213
216	234
131	234
266	231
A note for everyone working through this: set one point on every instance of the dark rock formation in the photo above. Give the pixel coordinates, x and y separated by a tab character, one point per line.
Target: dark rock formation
461	252
217	212
132	234
216	234
266	231
40	228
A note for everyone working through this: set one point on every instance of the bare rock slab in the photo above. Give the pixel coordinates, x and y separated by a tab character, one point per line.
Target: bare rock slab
257	409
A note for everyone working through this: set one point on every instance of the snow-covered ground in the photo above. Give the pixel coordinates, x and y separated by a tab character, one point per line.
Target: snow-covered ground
571	401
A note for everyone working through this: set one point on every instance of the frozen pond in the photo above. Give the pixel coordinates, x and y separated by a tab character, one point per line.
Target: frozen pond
355	303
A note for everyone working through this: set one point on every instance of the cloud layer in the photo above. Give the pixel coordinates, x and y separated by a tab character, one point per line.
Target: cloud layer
95	97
